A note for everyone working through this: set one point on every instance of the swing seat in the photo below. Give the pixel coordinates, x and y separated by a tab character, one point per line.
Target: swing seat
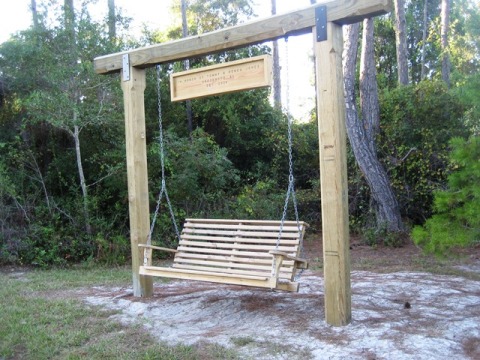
238	252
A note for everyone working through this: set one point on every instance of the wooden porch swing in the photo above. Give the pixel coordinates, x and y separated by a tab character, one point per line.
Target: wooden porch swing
238	252
258	253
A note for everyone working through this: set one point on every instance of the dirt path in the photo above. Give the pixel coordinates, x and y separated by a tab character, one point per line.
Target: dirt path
400	315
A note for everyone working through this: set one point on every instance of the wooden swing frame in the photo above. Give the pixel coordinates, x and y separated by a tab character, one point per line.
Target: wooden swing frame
324	20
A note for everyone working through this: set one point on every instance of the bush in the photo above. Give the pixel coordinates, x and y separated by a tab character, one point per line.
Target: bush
199	178
260	201
374	236
457	209
417	123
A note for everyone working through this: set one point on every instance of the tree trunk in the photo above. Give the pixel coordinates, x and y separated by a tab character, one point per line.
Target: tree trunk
401	41
41	180
444	41
385	204
112	29
186	66
33	7
69	13
83	185
69	16
424	39
368	86
277	82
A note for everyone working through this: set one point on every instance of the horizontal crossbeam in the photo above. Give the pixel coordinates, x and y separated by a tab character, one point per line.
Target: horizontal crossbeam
254	32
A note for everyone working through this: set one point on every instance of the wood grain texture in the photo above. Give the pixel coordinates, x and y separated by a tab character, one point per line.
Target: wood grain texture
245	74
135	140
333	176
254	32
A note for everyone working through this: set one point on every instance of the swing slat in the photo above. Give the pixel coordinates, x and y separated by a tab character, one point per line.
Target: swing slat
243	234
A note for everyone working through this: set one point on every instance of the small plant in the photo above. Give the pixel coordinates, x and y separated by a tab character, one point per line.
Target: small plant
370	237
375	236
242	340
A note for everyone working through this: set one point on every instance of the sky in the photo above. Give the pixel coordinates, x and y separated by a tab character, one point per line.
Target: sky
15	15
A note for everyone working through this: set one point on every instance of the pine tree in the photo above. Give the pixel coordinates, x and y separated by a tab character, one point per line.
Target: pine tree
456	222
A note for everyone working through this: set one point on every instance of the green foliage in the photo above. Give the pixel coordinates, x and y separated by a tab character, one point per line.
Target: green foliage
464	43
463	38
200	179
263	200
456	222
246	124
112	251
431	48
200	172
468	92
417	123
209	15
49	87
385	52
375	236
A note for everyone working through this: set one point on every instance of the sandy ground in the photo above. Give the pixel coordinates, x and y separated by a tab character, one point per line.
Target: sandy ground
398	315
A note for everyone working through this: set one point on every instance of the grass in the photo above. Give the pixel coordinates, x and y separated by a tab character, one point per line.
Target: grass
242	340
38	322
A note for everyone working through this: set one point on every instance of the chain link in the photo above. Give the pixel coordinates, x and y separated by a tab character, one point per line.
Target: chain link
291	178
163	189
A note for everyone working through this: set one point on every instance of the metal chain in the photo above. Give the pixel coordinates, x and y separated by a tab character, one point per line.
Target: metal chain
163	189
291	178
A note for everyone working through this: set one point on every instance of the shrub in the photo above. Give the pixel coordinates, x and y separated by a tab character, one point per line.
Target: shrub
417	123
456	221
263	200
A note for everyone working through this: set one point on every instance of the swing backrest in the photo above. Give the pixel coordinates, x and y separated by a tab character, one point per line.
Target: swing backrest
238	246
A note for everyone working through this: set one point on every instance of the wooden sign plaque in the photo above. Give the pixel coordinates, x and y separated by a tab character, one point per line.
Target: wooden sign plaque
245	74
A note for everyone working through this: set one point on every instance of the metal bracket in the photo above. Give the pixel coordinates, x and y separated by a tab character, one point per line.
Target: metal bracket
321	22
126	67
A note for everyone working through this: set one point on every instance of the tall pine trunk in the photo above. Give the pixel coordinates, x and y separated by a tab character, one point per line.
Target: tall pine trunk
277	83
445	18
401	41
112	30
69	17
424	39
33	8
186	66
361	132
368	86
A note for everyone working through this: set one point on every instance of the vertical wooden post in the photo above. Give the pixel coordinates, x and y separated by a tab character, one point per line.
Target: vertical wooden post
133	97
333	176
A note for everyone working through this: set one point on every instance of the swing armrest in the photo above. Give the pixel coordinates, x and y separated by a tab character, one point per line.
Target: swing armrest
299	262
156	248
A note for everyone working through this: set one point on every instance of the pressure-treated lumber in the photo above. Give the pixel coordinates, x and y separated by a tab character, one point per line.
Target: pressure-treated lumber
333	176
239	252
232	76
133	95
258	31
